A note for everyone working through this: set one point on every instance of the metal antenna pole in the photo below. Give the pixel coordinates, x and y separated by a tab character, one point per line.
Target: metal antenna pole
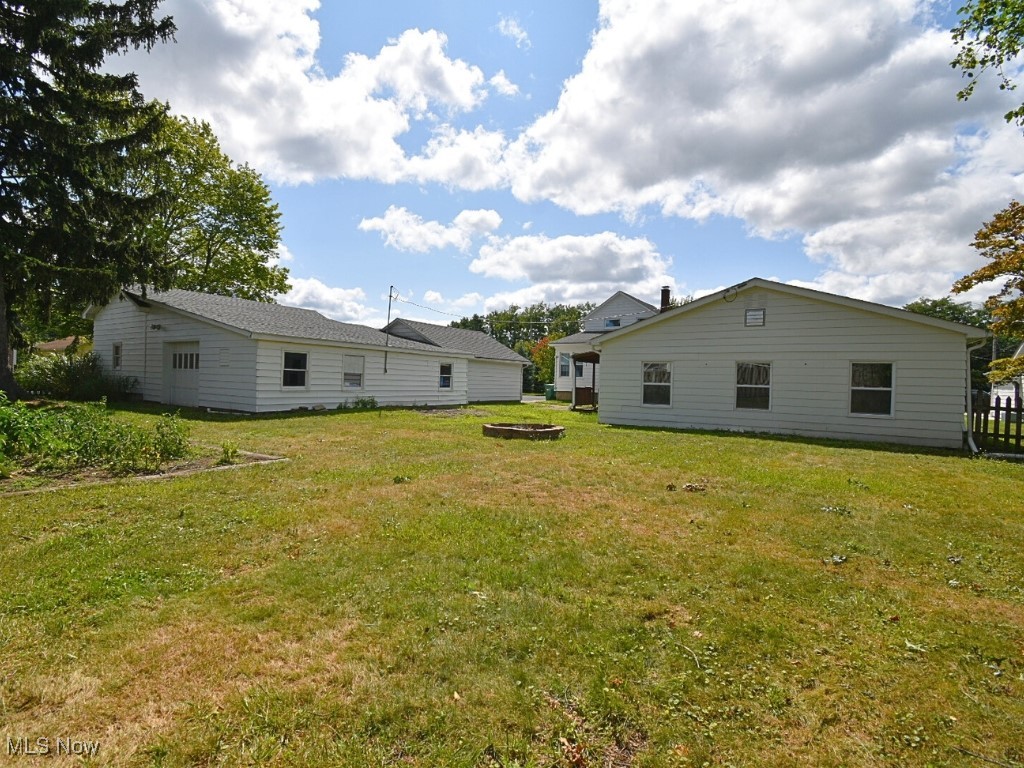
387	336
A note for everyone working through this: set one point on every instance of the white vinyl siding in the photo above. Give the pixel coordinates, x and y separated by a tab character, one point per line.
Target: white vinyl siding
620	307
812	344
491	381
145	338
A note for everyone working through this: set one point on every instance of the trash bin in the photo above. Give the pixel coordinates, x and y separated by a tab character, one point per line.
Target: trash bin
549	391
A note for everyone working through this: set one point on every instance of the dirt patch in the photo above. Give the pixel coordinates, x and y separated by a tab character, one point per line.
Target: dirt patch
26	482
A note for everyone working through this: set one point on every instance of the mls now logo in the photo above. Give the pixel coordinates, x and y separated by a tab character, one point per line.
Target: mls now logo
24	745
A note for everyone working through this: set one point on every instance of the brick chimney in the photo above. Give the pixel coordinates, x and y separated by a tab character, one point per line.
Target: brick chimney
666	298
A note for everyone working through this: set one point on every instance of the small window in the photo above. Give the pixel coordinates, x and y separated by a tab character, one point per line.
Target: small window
352	375
753	385
871	388
445	379
753	317
657	384
185	361
294	369
612	322
225	357
579	370
115	357
563	365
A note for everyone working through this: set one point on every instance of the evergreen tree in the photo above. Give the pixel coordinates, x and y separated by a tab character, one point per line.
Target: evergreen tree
68	225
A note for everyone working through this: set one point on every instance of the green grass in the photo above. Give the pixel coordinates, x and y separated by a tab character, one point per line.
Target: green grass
405	591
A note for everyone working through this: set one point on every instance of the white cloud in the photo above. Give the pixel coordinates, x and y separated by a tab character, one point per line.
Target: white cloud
838	123
509	27
406	231
503	85
345	304
249	69
572	268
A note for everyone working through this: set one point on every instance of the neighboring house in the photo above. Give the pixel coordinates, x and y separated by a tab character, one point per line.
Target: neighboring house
1013	388
766	357
195	349
55	347
576	372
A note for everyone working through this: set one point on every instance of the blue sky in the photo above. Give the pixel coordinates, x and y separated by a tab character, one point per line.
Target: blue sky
475	155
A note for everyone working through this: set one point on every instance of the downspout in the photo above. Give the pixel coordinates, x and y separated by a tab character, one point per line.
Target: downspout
970	400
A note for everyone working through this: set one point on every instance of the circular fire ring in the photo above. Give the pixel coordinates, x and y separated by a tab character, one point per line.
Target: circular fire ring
524	431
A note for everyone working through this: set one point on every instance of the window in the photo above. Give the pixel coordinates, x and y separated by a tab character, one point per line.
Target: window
352	371
225	357
294	369
563	365
445	379
657	384
871	388
612	322
579	370
753	385
753	317
185	361
115	357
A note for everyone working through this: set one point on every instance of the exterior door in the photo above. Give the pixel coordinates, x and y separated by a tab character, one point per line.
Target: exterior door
182	373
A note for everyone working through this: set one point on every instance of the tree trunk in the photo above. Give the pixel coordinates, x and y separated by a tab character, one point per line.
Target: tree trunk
7	383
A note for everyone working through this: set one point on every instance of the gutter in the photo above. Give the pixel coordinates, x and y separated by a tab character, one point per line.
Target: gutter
970	400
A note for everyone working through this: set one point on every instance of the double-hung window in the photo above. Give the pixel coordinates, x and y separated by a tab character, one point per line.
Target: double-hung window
754	386
563	365
579	370
352	371
657	384
871	389
295	365
445	377
115	356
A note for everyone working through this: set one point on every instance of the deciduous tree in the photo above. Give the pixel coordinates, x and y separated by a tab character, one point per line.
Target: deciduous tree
217	230
989	34
1001	241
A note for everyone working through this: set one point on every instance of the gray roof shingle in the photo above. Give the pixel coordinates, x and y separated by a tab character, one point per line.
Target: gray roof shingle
475	343
264	318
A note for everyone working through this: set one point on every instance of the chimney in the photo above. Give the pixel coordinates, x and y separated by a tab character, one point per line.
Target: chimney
666	298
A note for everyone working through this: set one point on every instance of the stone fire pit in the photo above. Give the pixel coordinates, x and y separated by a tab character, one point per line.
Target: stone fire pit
524	431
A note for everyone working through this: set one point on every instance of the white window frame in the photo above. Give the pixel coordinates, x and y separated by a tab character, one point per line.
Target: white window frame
441	375
117	355
346	372
579	370
564	365
767	386
613	322
184	361
644	383
891	389
286	370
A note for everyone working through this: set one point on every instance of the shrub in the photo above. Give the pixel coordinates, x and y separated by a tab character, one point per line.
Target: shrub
72	377
77	436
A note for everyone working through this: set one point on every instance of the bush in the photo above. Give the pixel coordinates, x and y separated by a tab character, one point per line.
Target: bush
72	377
78	436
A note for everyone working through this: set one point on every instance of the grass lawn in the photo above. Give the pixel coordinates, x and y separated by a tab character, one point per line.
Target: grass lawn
404	591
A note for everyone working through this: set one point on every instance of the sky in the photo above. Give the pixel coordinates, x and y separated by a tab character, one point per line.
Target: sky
475	155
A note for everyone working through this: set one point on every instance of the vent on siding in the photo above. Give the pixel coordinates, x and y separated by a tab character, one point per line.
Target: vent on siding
753	317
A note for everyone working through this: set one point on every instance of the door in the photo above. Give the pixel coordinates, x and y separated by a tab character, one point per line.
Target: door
182	373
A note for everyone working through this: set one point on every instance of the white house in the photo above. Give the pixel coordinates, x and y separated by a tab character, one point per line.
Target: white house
1009	389
576	373
196	349
766	357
